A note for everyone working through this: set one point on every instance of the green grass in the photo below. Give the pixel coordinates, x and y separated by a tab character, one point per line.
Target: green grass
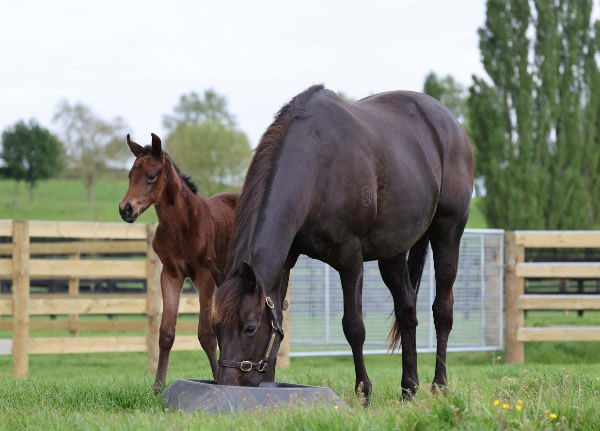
64	199
112	391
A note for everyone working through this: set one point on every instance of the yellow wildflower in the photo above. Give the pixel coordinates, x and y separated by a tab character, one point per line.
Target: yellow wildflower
496	402
518	408
505	406
553	416
520	401
335	407
546	411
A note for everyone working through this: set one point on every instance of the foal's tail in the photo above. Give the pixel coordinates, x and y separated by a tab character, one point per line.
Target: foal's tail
416	263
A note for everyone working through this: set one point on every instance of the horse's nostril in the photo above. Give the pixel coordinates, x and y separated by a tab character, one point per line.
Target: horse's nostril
126	211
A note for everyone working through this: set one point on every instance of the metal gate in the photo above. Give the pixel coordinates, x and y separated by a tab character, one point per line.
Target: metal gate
316	305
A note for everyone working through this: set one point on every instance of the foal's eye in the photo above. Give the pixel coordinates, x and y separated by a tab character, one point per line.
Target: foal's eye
250	329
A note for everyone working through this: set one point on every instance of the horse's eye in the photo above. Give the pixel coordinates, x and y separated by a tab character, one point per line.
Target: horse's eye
151	178
250	329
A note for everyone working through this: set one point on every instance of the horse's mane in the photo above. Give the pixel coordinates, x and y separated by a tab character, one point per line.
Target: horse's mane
185	178
259	176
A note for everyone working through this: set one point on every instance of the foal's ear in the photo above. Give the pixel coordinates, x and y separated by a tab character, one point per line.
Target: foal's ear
218	276
249	275
136	149
156	145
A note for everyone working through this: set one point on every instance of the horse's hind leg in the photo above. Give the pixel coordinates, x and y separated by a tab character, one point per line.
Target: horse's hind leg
445	235
351	275
171	289
395	275
205	286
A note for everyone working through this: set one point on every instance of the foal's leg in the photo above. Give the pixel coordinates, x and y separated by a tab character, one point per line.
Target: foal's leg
205	286
395	275
351	275
445	243
171	288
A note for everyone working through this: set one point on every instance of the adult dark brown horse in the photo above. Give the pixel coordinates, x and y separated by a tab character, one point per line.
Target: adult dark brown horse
378	179
192	233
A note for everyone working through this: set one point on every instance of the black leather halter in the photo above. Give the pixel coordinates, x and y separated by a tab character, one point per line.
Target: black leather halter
261	365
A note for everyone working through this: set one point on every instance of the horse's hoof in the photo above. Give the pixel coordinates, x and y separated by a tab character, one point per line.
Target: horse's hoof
408	393
363	395
437	389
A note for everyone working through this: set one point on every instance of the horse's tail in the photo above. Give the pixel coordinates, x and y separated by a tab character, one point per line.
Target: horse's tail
416	263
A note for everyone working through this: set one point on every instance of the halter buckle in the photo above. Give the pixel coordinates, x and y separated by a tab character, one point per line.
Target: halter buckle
246	366
262	365
269	302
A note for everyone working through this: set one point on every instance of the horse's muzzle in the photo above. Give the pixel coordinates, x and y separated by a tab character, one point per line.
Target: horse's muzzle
127	213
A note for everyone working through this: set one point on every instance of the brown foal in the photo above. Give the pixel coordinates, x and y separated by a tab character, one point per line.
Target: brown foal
193	233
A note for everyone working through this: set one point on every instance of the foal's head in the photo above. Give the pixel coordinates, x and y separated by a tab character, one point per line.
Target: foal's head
243	326
147	179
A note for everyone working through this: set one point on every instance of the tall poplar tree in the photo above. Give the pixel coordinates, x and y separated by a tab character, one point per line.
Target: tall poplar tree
534	120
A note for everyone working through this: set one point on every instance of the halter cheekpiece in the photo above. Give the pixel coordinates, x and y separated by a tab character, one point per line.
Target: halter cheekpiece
261	365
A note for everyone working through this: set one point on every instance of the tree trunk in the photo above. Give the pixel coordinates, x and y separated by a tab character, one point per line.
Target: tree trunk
90	191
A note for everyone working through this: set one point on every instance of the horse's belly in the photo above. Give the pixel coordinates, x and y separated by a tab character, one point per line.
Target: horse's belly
397	227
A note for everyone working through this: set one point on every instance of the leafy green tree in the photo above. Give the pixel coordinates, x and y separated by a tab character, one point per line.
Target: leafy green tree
215	155
91	143
345	96
450	92
534	121
30	153
206	144
193	109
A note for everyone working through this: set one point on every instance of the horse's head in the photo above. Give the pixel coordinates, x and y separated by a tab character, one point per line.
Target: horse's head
247	326
147	179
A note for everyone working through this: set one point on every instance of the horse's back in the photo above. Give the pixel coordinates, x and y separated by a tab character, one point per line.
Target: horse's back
396	156
228	199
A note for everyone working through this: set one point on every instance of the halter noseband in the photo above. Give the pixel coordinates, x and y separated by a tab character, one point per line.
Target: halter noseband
261	365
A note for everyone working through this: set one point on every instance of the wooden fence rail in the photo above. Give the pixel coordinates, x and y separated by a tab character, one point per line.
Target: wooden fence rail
516	302
88	239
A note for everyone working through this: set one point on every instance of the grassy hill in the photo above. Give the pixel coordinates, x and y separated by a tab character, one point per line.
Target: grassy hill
67	200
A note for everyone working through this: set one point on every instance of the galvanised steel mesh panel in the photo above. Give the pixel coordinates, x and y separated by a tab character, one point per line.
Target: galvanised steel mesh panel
316	304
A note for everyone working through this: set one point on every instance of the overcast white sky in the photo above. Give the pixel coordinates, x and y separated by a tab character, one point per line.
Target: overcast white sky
135	58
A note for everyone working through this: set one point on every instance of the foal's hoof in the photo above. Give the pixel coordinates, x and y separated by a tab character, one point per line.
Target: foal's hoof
157	388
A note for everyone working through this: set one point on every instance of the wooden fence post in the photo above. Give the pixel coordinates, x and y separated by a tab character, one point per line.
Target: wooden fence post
515	287
20	293
73	291
154	300
283	355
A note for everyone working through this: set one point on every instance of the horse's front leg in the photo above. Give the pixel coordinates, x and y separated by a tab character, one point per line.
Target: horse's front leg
351	275
170	284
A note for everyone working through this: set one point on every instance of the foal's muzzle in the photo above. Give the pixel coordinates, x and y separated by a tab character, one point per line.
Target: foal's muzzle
127	213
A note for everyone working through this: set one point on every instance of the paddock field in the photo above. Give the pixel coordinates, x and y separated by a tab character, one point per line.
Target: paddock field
66	199
558	385
112	391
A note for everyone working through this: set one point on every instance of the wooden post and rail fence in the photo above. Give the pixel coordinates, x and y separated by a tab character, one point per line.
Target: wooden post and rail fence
89	239
516	302
118	238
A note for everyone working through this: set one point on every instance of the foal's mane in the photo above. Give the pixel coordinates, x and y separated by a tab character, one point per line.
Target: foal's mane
259	177
185	178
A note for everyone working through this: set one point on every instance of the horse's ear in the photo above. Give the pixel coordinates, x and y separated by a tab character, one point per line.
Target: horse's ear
218	276
248	274
136	149
156	145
